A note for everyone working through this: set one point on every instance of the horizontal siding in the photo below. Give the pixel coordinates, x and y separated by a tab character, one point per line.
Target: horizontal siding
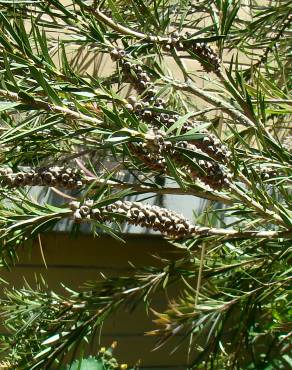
86	250
73	261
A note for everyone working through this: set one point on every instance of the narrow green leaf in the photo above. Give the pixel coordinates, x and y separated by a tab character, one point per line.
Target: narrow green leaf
8	105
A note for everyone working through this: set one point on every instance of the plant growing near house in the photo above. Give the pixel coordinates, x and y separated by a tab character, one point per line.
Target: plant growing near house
159	128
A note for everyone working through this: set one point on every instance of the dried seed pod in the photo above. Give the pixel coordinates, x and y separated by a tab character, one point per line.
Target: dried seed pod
84	210
4	171
117	54
129	107
147	114
159	219
127	65
8	180
138	68
77	216
71	184
138	106
79	184
96	214
53	176
19	177
74	205
37	180
65	177
89	202
114	54
132	99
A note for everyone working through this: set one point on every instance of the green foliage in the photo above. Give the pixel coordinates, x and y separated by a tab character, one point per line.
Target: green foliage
147	126
103	361
86	364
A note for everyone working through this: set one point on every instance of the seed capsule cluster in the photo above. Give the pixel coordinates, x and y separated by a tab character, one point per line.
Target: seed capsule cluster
210	61
211	173
160	219
152	152
144	109
153	149
266	173
156	147
209	144
152	160
68	178
84	211
215	176
156	139
135	73
213	147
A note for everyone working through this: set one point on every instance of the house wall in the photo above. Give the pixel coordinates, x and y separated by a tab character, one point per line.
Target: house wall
72	261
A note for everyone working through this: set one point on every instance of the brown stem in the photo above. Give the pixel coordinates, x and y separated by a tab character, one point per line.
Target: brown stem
7	177
169	223
122	29
40	104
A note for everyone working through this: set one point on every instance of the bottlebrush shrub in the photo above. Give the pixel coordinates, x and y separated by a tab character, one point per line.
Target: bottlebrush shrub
184	108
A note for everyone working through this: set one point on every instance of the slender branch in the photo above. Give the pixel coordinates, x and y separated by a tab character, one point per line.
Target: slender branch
67	177
276	101
40	104
169	223
257	206
122	29
215	101
215	196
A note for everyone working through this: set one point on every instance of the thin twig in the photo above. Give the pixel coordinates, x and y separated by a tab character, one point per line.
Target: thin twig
169	223
214	100
122	29
214	196
138	188
257	206
40	104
